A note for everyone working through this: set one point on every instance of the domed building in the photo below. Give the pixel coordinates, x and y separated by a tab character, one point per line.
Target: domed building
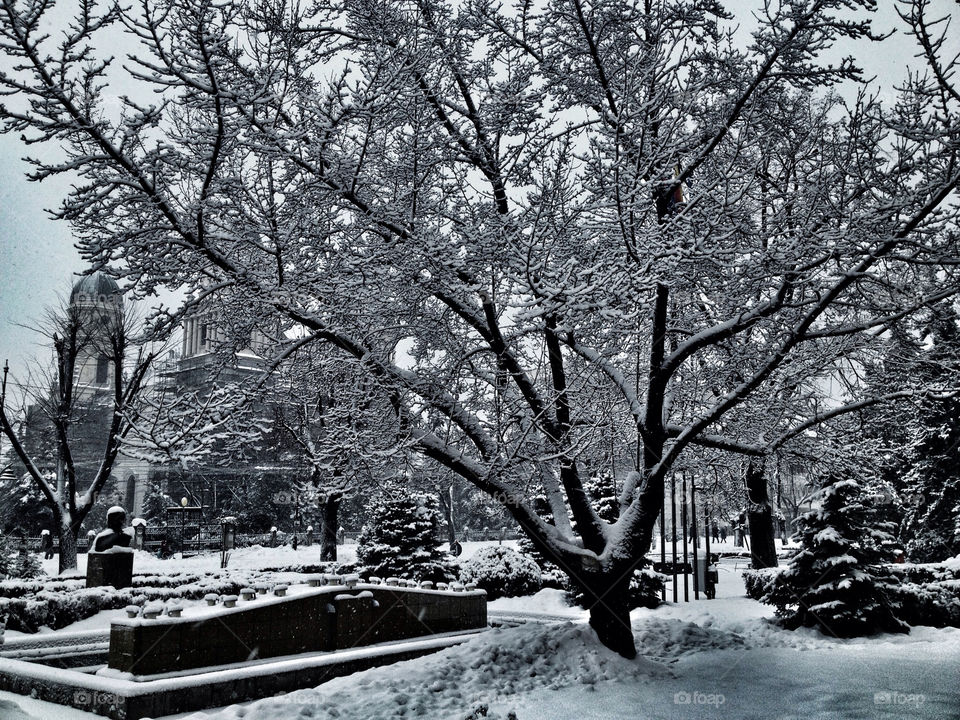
98	301
98	290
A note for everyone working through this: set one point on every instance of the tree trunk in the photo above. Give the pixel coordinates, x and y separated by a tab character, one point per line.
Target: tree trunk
760	519
446	502
67	559
609	606
328	527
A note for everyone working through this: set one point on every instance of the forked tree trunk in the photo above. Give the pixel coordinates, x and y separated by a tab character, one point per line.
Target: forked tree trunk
760	519
329	512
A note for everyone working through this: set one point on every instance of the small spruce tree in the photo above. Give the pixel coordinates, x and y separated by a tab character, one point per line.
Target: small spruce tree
552	576
155	503
25	566
838	581
603	493
5	560
401	539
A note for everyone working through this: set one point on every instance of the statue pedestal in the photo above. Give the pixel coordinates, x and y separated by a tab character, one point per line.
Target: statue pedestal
110	568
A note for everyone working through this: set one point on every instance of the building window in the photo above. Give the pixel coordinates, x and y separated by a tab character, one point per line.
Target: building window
103	369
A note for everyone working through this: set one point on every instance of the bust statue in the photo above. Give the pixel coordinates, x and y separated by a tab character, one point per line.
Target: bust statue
115	535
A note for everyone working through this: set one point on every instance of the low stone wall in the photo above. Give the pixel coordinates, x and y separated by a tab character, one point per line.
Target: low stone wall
325	619
121	699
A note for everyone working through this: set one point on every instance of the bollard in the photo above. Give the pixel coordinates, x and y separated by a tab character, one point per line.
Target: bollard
139	533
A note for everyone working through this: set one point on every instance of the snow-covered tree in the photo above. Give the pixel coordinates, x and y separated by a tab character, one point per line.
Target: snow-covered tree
22	505
336	425
931	527
6	558
491	210
62	408
838	581
25	565
401	538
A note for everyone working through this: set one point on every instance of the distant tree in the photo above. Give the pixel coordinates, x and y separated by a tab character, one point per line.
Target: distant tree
333	423
22	505
25	565
6	559
80	333
155	502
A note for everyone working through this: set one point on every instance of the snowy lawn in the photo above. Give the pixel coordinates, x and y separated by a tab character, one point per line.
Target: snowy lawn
250	558
706	659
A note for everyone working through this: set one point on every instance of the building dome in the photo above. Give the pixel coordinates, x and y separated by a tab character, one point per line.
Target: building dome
96	289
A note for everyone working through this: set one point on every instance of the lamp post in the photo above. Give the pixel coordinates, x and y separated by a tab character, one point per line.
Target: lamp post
183	522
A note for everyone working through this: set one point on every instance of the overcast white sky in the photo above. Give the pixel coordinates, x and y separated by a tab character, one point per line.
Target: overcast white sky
38	260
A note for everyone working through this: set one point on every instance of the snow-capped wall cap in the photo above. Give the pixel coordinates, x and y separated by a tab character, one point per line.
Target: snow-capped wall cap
44	532
137	522
152	609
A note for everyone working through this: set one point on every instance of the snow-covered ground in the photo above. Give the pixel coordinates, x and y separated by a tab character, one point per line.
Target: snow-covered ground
251	558
708	659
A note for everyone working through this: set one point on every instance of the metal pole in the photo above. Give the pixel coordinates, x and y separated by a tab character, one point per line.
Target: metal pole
696	539
706	543
663	543
673	530
683	523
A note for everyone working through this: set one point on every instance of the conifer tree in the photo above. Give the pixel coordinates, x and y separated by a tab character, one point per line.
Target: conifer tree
931	528
5	559
552	576
838	581
401	539
603	493
25	565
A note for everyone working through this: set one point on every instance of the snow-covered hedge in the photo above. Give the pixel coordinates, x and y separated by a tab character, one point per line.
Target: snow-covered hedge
32	605
926	572
502	572
928	593
936	604
758	582
925	594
